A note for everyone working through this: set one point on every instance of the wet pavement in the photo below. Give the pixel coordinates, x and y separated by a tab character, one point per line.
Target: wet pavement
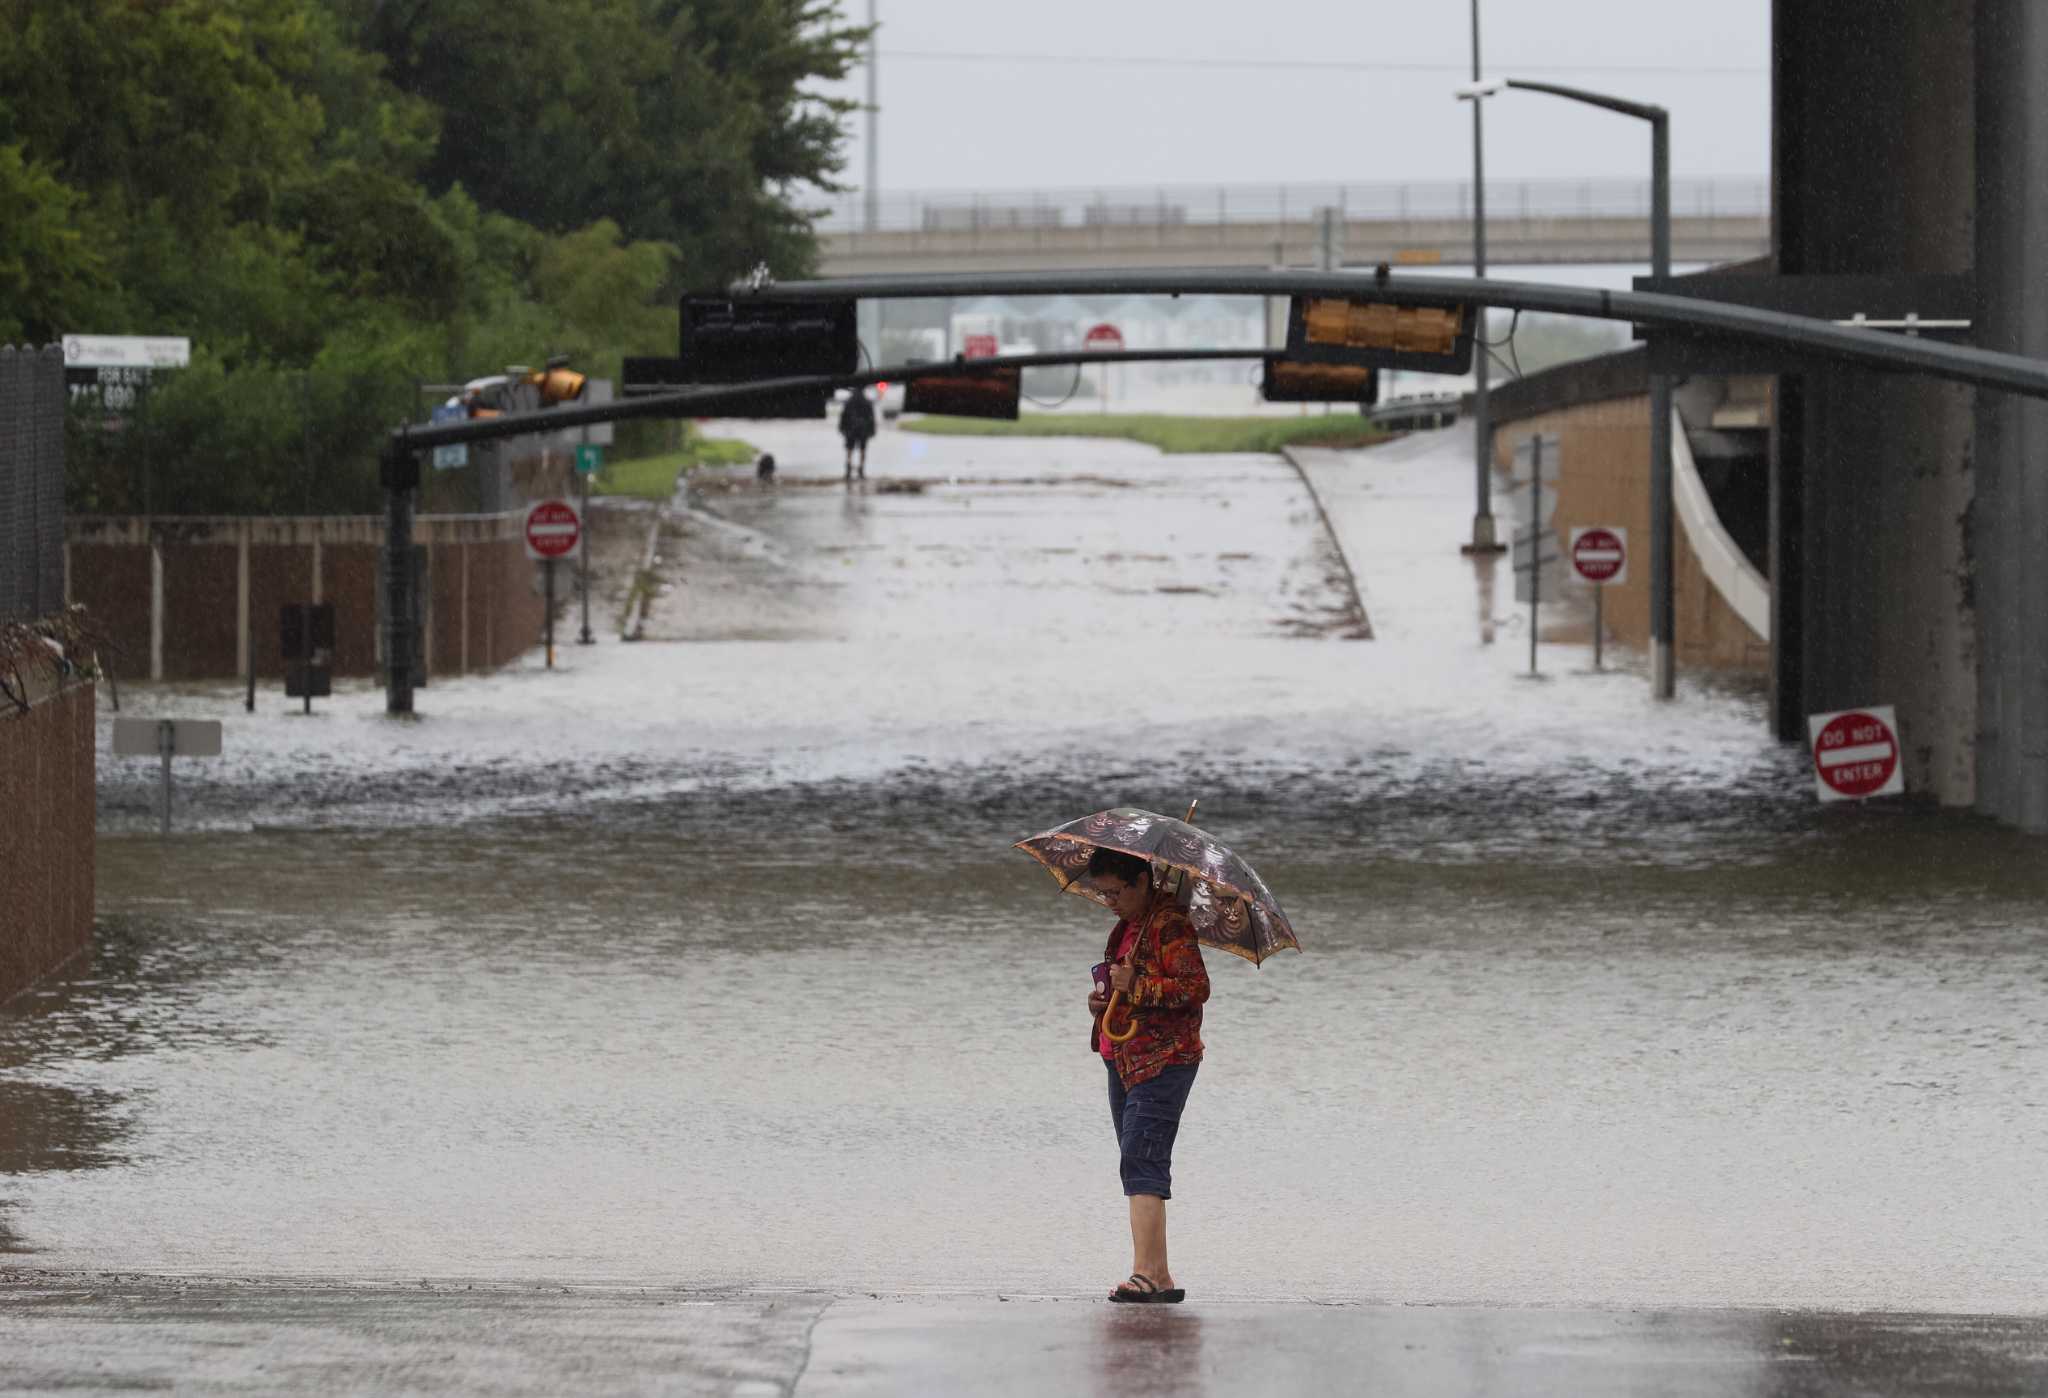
701	969
118	1334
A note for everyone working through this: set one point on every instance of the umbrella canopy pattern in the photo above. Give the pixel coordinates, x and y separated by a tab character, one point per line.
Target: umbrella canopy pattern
1228	904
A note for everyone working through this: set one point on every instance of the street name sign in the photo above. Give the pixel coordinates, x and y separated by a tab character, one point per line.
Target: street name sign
1523	555
553	530
1600	555
166	738
589	457
449	458
1856	753
188	737
1539	447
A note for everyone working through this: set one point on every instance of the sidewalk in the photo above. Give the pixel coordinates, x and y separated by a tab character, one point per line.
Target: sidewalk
1398	511
80	1333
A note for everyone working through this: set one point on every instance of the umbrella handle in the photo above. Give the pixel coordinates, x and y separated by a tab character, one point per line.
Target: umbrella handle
1110	1009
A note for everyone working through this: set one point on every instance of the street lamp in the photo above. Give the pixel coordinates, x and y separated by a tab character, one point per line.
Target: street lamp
1484	540
1663	677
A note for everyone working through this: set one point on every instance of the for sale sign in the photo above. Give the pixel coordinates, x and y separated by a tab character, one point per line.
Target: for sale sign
1856	754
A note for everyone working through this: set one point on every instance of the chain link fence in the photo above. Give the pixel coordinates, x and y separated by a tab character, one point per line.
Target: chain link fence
32	412
1172	206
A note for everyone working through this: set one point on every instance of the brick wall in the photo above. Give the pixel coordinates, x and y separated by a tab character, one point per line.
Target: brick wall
174	595
46	839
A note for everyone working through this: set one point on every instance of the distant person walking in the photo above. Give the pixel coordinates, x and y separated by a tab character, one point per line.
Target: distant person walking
856	425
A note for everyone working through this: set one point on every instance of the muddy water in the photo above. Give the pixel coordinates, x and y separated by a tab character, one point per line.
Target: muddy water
705	960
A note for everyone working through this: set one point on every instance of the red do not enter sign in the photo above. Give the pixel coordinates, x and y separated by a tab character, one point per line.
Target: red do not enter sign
553	529
1856	754
1103	337
1600	555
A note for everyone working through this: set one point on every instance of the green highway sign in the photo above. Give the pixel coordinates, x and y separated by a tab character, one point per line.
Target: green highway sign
589	457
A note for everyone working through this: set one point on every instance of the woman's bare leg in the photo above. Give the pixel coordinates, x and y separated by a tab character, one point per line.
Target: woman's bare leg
1148	1240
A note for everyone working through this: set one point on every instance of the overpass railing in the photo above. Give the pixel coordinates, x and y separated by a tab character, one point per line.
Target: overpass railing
846	215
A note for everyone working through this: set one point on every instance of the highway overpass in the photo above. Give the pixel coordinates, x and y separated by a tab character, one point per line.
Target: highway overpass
1530	222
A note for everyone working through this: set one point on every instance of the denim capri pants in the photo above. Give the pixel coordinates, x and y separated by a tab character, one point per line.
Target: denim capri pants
1146	1119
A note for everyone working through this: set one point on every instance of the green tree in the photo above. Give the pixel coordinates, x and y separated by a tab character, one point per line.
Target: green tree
685	122
52	274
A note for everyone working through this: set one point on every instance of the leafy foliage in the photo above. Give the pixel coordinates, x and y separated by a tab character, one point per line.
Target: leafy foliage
340	199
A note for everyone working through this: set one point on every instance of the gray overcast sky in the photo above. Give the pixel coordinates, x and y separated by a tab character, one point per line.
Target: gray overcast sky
974	95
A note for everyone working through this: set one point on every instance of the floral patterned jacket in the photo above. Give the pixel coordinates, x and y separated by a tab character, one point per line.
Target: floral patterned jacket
1167	996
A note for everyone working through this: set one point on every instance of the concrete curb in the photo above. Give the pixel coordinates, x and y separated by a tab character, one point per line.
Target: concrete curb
1336	541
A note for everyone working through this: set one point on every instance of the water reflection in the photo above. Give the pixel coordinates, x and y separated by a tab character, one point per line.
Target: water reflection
1145	1350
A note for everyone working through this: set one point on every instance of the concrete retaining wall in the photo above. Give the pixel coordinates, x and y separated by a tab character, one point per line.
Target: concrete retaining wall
198	598
1601	414
46	840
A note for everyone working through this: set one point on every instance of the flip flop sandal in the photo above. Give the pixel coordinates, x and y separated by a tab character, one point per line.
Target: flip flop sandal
1141	1290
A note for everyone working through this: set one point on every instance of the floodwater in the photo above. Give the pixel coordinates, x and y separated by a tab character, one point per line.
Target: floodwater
706	961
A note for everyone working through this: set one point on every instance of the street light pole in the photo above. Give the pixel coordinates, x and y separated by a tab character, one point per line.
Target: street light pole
872	196
1663	607
1484	539
1663	611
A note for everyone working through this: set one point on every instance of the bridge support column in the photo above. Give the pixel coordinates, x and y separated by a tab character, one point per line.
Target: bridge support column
1873	479
2008	533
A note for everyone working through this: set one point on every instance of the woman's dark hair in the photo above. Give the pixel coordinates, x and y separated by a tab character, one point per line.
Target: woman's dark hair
1114	862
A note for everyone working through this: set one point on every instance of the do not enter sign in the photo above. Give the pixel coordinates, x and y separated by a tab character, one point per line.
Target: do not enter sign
1102	337
553	530
1856	754
1600	555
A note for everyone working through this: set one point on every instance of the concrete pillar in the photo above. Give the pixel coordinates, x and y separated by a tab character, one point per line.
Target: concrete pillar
242	598
2008	533
156	608
1880	485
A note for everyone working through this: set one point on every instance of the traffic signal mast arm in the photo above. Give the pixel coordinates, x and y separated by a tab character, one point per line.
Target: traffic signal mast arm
1823	339
712	399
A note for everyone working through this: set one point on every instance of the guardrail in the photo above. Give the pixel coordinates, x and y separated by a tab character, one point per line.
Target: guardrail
1410	414
1165	206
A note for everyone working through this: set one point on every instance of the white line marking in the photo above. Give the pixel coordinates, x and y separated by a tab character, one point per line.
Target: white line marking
1865	752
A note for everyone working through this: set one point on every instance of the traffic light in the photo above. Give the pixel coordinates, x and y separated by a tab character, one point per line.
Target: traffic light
728	341
970	393
1291	381
1339	330
557	383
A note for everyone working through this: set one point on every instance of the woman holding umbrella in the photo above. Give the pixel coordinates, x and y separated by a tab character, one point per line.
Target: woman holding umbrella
1158	969
1154	962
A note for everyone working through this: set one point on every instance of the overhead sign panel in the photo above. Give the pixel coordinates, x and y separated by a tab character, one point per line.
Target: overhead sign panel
1290	381
727	341
990	393
1341	330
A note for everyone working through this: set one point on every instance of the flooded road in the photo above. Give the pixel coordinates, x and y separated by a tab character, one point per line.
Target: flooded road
705	960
